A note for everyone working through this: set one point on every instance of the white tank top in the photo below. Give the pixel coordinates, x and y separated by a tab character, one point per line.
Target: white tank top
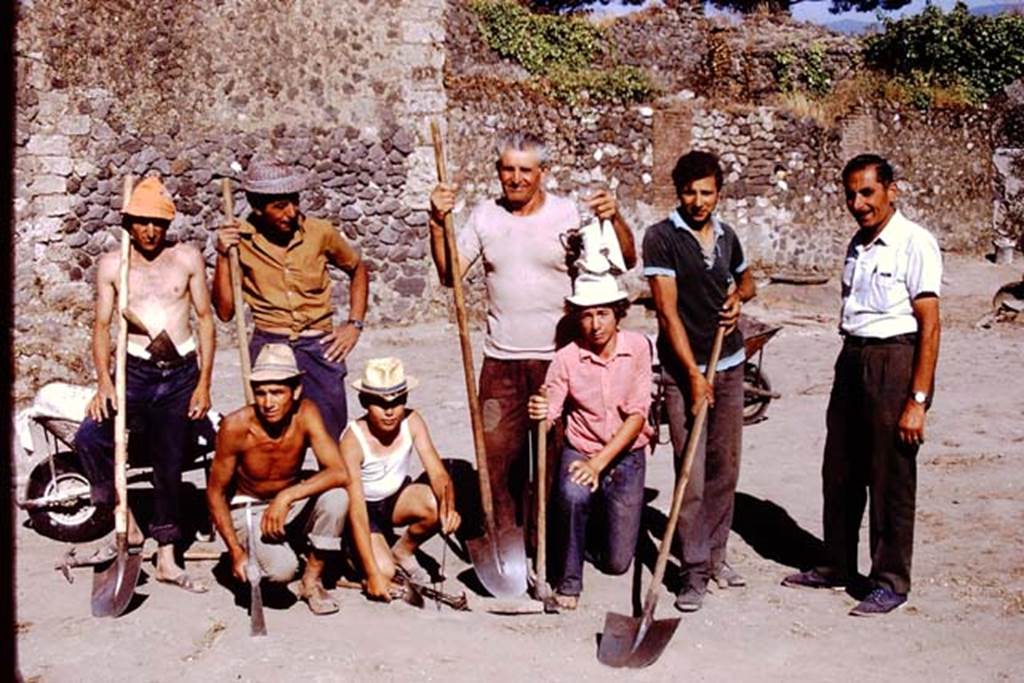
382	475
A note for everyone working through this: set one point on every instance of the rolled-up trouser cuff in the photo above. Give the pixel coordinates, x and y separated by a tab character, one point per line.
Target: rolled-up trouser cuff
165	534
327	520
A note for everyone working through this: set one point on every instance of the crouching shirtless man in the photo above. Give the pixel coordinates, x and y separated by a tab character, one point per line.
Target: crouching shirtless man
260	449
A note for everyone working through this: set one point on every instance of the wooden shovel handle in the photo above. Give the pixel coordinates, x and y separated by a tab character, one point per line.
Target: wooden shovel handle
236	294
120	377
542	507
469	373
684	477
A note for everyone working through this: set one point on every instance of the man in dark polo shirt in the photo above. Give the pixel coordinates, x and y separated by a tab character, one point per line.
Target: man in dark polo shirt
699	279
284	255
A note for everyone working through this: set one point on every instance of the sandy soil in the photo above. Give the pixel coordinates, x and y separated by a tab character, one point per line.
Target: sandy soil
965	619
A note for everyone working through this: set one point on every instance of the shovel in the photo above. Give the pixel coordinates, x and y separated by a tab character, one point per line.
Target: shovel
236	294
257	622
544	592
161	347
113	587
499	555
636	642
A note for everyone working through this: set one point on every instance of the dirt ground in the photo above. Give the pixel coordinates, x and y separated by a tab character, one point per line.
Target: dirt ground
964	621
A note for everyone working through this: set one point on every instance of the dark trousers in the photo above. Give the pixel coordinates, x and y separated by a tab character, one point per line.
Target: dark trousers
865	457
157	402
323	381
619	501
705	518
505	387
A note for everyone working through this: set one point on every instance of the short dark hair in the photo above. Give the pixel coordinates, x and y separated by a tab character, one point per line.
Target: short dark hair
292	383
695	165
258	201
619	308
883	169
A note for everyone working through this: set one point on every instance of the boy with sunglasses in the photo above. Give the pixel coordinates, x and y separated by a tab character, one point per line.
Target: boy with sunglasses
380	445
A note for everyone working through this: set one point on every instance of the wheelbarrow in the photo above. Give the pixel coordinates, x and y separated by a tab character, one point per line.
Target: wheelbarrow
57	492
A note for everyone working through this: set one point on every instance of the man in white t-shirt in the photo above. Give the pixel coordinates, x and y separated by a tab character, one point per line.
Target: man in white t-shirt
519	239
884	378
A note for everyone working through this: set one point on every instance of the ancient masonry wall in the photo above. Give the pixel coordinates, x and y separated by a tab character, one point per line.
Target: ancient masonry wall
346	88
183	90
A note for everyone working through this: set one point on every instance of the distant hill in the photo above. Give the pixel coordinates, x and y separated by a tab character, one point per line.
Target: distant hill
851	26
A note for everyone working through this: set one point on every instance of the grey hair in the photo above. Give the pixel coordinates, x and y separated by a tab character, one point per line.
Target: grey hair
522	142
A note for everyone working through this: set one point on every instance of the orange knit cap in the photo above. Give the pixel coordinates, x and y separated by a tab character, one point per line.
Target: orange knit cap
150	199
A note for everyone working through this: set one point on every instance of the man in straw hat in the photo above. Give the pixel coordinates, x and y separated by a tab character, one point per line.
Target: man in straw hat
519	239
167	386
699	279
284	256
601	384
380	445
260	449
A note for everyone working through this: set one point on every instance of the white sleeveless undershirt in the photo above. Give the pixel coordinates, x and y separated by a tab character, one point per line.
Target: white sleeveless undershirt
383	475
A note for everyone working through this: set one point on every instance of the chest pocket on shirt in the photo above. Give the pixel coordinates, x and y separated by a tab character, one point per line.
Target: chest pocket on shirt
887	288
311	281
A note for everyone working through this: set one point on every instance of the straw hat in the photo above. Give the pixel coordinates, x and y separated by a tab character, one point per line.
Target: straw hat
276	363
150	199
271	177
384	377
590	289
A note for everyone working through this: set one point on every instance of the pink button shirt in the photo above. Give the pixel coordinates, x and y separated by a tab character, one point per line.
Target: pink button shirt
598	395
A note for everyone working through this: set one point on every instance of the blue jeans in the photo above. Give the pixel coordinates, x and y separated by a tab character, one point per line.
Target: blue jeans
323	381
157	402
620	502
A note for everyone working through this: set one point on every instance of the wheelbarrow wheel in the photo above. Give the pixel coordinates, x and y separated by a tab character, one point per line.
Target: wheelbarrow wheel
74	521
755	405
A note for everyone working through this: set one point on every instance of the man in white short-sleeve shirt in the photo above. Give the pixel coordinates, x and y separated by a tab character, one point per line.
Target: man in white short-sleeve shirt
884	378
519	239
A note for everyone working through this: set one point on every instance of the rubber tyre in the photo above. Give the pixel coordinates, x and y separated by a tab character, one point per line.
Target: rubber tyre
73	525
755	407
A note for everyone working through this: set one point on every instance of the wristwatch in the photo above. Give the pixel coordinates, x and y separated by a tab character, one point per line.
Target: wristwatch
358	324
919	397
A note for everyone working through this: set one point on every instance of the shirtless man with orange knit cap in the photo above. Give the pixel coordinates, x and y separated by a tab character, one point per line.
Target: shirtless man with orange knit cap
166	389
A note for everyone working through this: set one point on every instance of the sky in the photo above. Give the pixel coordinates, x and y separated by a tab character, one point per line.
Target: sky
816	11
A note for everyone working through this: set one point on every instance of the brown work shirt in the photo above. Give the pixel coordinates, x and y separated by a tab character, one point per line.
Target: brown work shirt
288	287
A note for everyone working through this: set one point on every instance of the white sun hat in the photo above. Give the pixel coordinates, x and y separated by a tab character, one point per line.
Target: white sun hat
596	290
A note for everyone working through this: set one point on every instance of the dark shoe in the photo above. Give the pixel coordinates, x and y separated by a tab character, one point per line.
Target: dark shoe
812	579
690	599
727	577
879	601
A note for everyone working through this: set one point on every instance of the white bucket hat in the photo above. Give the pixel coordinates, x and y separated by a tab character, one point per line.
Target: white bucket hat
275	363
384	377
596	290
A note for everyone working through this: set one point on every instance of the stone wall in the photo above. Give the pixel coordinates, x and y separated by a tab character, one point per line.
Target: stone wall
346	89
183	90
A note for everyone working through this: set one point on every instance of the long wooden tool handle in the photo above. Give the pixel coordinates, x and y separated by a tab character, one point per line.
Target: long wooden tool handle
486	497
542	506
120	380
684	477
236	295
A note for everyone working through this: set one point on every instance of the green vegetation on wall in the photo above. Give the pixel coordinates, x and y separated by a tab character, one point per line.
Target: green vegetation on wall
803	70
974	55
561	52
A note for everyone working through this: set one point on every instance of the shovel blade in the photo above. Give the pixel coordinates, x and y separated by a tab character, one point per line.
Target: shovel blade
625	643
500	562
113	587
